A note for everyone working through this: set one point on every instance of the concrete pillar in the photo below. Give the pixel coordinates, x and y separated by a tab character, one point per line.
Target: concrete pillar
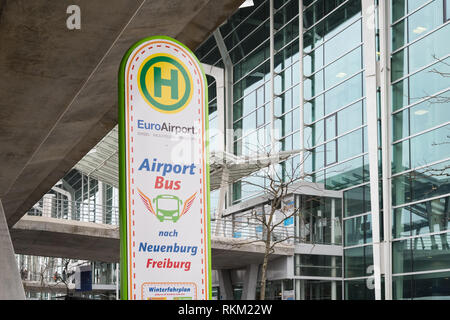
333	274
250	281
225	285
47	205
11	287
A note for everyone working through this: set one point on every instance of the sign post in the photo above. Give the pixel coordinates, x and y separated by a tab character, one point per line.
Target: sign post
163	173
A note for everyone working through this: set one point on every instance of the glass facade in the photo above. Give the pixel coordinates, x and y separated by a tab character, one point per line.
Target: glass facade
318	265
420	153
319	220
330	76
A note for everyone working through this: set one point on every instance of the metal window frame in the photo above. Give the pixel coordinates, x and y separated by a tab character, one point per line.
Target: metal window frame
357	73
420	201
420	272
420	69
335	60
420	38
327	15
411	13
420	101
384	9
333	36
421	235
421	133
446	7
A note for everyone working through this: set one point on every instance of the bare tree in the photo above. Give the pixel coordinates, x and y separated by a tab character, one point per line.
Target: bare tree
279	182
65	276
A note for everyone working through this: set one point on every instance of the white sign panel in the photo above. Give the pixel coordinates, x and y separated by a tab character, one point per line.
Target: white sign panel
164	173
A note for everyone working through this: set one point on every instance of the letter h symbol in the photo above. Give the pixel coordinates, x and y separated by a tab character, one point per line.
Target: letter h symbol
172	83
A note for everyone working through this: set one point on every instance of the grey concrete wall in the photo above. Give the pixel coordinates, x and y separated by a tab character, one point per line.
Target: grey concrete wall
225	285
250	282
11	287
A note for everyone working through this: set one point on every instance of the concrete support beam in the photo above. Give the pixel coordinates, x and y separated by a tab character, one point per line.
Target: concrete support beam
250	282
225	286
52	237
11	287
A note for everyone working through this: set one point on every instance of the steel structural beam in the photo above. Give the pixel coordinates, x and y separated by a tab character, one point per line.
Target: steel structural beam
370	67
385	76
228	105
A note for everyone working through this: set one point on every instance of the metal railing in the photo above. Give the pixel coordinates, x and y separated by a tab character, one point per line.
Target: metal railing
249	230
75	210
245	228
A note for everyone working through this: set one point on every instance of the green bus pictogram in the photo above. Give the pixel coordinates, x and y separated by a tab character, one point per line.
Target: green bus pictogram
167	207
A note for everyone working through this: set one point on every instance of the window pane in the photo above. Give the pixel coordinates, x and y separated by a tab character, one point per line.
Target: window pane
330	152
401	223
414	4
431	252
343	68
431	216
313	85
319	265
359	290
330	127
421	184
401	256
432	286
350	145
399	35
429	114
399	63
400	125
356	201
400	94
343	94
398	9
425	20
354	231
430	146
317	158
429	49
402	287
429	81
318	132
349	118
313	60
357	261
400	156
428	286
314	110
345	175
343	41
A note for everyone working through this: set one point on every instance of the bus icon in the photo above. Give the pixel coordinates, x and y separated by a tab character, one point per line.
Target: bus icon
167	207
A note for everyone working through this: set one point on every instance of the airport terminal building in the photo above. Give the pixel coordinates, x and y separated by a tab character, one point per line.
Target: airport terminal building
353	93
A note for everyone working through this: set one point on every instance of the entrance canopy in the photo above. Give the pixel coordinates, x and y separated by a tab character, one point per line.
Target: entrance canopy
102	163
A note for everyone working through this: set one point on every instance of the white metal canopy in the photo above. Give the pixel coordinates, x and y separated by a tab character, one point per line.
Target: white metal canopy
102	163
